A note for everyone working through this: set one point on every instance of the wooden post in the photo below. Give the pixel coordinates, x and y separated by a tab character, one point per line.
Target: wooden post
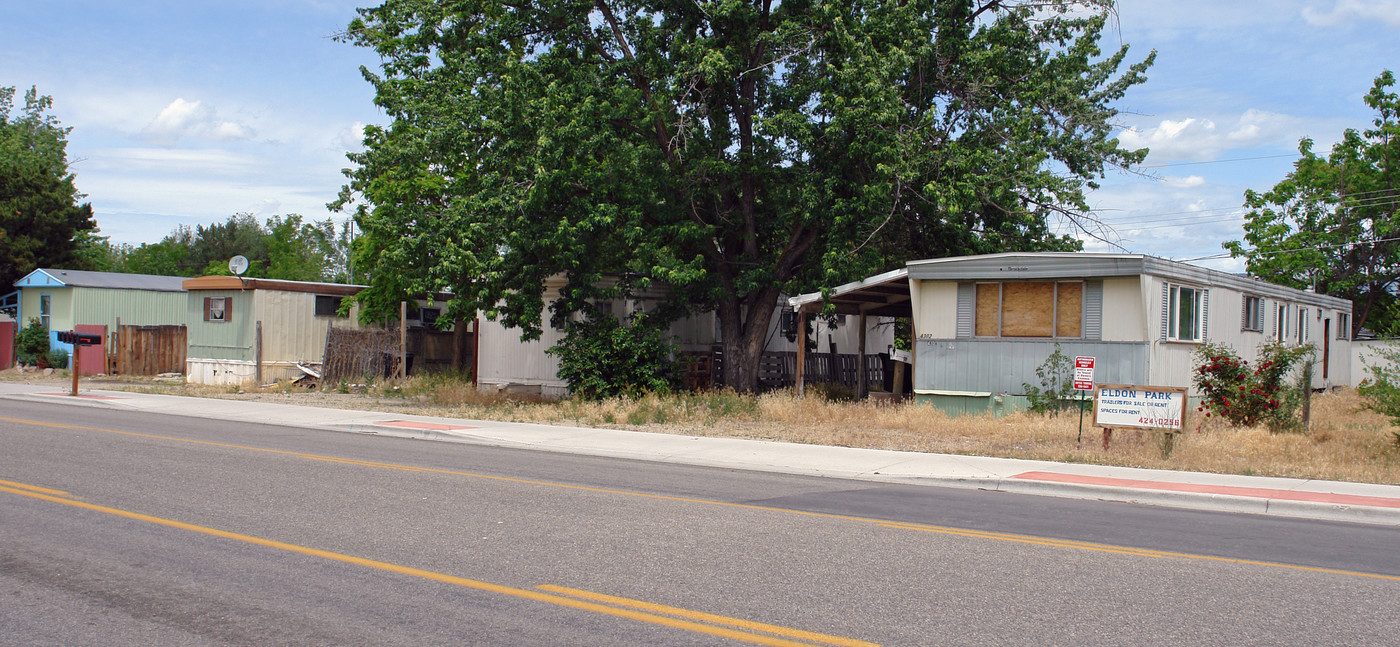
257	354
115	349
403	339
76	347
861	387
801	351
476	351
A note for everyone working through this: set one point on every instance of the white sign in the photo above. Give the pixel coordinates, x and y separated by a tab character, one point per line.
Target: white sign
1148	407
1083	373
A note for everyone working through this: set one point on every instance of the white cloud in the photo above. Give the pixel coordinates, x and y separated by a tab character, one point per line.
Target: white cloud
1199	139
1387	11
195	120
1193	139
1185	182
352	138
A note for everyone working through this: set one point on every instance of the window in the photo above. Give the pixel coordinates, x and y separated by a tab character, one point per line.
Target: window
328	306
1185	313
218	308
45	309
1344	325
1302	326
1281	333
430	316
1029	309
1253	318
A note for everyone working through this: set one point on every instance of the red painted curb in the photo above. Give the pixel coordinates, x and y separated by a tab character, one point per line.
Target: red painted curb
1232	490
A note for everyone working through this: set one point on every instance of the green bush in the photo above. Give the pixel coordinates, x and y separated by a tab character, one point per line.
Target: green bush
56	358
1246	396
600	358
32	344
1381	388
1056	388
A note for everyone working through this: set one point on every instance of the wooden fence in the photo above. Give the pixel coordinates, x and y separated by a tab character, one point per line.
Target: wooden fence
777	370
149	350
375	352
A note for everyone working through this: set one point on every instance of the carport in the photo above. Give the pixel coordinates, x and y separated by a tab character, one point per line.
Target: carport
882	295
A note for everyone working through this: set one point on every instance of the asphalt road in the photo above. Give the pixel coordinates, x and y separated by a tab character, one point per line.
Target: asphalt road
129	529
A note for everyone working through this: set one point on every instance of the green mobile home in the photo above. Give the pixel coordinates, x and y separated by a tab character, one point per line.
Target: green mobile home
76	299
244	330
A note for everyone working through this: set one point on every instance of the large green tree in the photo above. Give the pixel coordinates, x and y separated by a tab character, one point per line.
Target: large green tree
41	219
1333	223
732	150
285	247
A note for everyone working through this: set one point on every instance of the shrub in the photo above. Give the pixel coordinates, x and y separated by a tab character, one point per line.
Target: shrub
1381	388
600	358
32	344
1056	384
57	358
1246	396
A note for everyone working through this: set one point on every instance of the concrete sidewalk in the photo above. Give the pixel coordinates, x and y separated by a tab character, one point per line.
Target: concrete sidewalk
1332	500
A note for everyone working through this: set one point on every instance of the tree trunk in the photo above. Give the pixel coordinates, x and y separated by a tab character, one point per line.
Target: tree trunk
743	332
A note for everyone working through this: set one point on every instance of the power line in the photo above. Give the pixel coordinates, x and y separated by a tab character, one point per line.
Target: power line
1236	159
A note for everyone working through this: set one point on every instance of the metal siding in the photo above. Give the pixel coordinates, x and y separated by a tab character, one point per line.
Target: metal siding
103	306
232	339
1003	366
1093	310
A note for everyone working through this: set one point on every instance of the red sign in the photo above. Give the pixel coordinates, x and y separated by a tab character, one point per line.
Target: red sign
1083	373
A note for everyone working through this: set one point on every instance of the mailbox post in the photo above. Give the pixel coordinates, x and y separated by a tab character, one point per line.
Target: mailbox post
78	340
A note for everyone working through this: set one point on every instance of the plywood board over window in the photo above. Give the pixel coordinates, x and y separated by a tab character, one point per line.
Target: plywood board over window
1028	309
988	305
1069	309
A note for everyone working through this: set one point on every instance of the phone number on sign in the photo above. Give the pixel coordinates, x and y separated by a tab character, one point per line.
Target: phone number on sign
1160	422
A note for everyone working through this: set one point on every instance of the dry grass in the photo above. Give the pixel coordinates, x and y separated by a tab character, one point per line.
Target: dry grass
1346	442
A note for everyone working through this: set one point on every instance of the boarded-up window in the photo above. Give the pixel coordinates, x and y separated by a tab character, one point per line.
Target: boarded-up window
988	305
1030	309
1069	309
218	308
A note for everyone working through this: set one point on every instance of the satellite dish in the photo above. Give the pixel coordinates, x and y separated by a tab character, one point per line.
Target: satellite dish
238	265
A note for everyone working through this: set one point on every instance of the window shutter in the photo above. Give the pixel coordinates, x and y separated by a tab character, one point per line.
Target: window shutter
228	308
206	308
1205	315
967	295
1166	308
1093	310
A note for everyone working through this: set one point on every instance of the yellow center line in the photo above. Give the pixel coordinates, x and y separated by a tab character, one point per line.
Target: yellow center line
708	617
1027	539
34	488
631	614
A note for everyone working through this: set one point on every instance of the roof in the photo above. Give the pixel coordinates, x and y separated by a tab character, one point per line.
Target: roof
882	294
241	283
51	277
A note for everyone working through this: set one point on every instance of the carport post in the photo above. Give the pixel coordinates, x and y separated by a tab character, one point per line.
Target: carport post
801	350
862	389
76	348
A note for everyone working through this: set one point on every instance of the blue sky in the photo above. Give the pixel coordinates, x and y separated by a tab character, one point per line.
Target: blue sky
188	112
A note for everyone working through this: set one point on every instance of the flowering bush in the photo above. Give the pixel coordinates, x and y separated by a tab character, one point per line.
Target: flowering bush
1246	396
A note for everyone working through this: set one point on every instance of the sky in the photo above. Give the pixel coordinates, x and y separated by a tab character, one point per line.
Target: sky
187	112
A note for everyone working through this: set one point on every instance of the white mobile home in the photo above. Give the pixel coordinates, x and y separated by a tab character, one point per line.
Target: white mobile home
508	364
983	324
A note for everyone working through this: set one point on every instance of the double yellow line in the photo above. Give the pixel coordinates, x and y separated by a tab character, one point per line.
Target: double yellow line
674	617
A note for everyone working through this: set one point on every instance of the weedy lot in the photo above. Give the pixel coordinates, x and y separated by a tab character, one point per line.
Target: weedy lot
1346	441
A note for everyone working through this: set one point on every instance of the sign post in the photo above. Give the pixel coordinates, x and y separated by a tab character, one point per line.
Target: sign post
78	340
1083	381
